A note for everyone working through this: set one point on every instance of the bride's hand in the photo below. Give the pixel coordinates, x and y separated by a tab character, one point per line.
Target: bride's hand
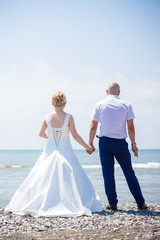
90	149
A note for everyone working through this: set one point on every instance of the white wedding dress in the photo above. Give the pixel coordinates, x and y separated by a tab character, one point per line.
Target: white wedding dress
57	184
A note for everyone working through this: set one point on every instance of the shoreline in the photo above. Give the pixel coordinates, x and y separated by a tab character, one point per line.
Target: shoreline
127	223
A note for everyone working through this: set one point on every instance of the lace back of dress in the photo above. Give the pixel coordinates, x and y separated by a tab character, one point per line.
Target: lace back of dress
57	136
56	133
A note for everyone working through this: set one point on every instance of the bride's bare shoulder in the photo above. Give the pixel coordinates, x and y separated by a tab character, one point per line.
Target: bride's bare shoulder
51	114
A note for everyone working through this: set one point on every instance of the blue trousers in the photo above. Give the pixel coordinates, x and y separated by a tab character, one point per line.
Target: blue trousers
118	148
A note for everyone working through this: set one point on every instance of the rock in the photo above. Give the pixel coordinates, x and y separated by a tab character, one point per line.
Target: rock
126	223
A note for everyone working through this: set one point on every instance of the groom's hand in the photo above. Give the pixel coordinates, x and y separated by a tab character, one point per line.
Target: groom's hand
93	148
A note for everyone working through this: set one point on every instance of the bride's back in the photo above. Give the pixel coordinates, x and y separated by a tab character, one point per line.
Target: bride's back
57	119
57	131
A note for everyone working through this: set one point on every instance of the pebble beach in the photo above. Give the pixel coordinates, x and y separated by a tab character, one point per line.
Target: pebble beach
127	223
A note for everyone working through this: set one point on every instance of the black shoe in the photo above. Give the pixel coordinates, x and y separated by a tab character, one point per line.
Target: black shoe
144	207
111	208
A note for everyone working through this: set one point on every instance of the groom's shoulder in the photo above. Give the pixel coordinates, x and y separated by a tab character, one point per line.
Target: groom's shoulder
99	103
125	102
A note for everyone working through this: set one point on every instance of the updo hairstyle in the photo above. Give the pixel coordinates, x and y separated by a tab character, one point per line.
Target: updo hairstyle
58	99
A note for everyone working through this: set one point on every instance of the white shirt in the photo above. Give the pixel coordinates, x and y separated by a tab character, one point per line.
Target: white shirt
112	114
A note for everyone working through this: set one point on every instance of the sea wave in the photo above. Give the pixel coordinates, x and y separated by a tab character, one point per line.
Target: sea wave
96	166
146	165
12	166
91	166
135	165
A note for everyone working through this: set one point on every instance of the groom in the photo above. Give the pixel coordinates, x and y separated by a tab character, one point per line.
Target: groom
114	114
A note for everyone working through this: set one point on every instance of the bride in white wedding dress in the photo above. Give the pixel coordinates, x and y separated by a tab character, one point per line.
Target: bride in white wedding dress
57	185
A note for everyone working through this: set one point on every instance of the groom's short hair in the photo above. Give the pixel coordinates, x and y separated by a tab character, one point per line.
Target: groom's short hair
113	88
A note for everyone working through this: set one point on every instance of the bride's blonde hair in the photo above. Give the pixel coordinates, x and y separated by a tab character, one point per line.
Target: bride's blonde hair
58	99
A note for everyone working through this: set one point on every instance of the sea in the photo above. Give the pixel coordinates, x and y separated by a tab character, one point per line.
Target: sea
15	165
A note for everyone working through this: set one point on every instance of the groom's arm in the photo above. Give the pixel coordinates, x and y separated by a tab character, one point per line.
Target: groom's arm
92	132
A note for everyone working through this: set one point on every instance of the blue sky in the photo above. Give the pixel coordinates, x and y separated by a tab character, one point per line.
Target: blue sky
77	47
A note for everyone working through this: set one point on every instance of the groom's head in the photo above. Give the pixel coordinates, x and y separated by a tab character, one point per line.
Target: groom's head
113	89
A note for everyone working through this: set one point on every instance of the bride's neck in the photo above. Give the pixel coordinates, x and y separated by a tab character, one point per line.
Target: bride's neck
59	109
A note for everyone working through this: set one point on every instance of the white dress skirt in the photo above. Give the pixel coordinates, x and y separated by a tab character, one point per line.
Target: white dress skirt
57	185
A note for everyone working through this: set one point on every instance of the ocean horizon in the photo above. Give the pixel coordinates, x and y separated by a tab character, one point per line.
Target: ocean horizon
16	164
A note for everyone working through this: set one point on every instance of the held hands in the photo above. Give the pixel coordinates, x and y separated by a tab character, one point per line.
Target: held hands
90	149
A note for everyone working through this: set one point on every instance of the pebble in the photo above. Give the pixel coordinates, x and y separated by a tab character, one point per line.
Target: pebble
126	223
